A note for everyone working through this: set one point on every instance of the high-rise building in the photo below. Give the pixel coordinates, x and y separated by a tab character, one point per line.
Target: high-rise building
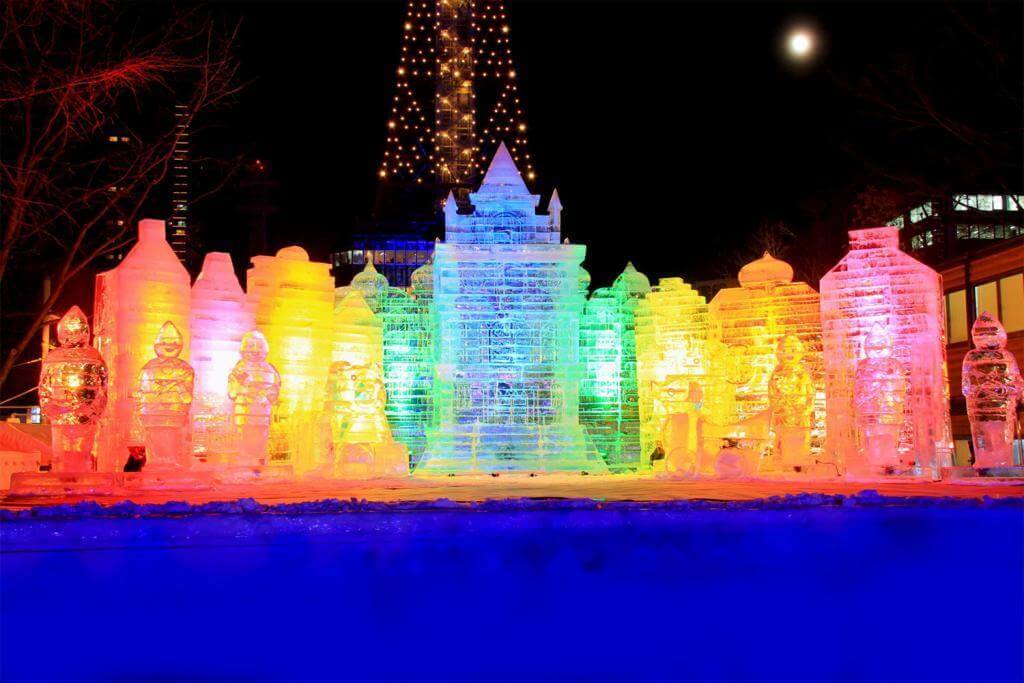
179	232
456	100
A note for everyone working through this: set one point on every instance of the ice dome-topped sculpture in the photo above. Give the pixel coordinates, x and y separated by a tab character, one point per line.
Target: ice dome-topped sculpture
422	280
876	284
608	391
133	301
747	323
993	387
73	394
164	401
583	280
220	318
371	285
672	366
253	386
292	299
507	305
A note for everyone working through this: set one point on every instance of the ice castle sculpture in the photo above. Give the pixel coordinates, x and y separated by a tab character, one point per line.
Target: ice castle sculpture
220	318
292	299
672	369
409	359
877	284
73	394
993	387
746	325
508	306
608	391
163	402
133	301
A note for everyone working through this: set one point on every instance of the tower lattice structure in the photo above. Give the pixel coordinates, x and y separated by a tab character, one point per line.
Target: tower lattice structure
456	97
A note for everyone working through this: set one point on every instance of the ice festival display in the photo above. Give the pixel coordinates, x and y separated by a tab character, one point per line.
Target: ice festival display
993	387
608	391
883	326
220	318
495	361
133	301
73	394
508	308
747	327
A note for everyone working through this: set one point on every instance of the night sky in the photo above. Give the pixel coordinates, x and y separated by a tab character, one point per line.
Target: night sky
672	130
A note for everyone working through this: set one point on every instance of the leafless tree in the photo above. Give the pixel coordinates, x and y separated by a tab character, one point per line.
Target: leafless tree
70	71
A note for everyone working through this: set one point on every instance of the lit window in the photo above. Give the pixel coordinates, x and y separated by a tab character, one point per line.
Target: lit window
919	213
1011	302
956	316
896	222
986	298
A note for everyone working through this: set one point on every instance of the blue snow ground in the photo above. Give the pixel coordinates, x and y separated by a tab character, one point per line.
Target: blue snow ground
805	588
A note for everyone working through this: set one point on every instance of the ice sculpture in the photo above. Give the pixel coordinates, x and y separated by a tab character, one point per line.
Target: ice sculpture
671	341
877	284
220	318
408	360
371	285
746	325
507	305
993	387
292	300
358	332
164	401
133	301
361	440
608	391
791	396
73	394
253	387
879	395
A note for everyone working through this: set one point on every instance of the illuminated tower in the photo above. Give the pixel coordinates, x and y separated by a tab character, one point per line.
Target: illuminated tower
456	97
179	235
507	305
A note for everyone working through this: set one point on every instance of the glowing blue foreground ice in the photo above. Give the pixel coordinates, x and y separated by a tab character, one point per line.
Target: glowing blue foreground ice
798	590
507	309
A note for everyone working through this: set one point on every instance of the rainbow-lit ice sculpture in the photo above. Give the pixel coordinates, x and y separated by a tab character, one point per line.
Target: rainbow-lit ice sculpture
879	398
358	333
220	318
876	284
791	398
409	359
672	369
507	305
164	402
292	300
73	394
253	387
993	387
608	392
371	285
133	301
747	324
361	444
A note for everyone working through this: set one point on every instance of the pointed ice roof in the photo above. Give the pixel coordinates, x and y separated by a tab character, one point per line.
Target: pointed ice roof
451	205
502	173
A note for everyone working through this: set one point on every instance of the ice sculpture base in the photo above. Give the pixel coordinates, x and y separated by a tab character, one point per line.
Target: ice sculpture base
1014	472
106	483
253	474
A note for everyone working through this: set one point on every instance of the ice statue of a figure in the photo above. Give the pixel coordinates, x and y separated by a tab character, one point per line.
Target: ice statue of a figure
679	431
253	386
73	394
361	439
791	398
993	387
879	396
163	402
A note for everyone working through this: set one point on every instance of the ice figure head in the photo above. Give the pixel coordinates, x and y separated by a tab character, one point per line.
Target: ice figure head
766	272
790	350
254	346
988	333
73	329
168	341
877	343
